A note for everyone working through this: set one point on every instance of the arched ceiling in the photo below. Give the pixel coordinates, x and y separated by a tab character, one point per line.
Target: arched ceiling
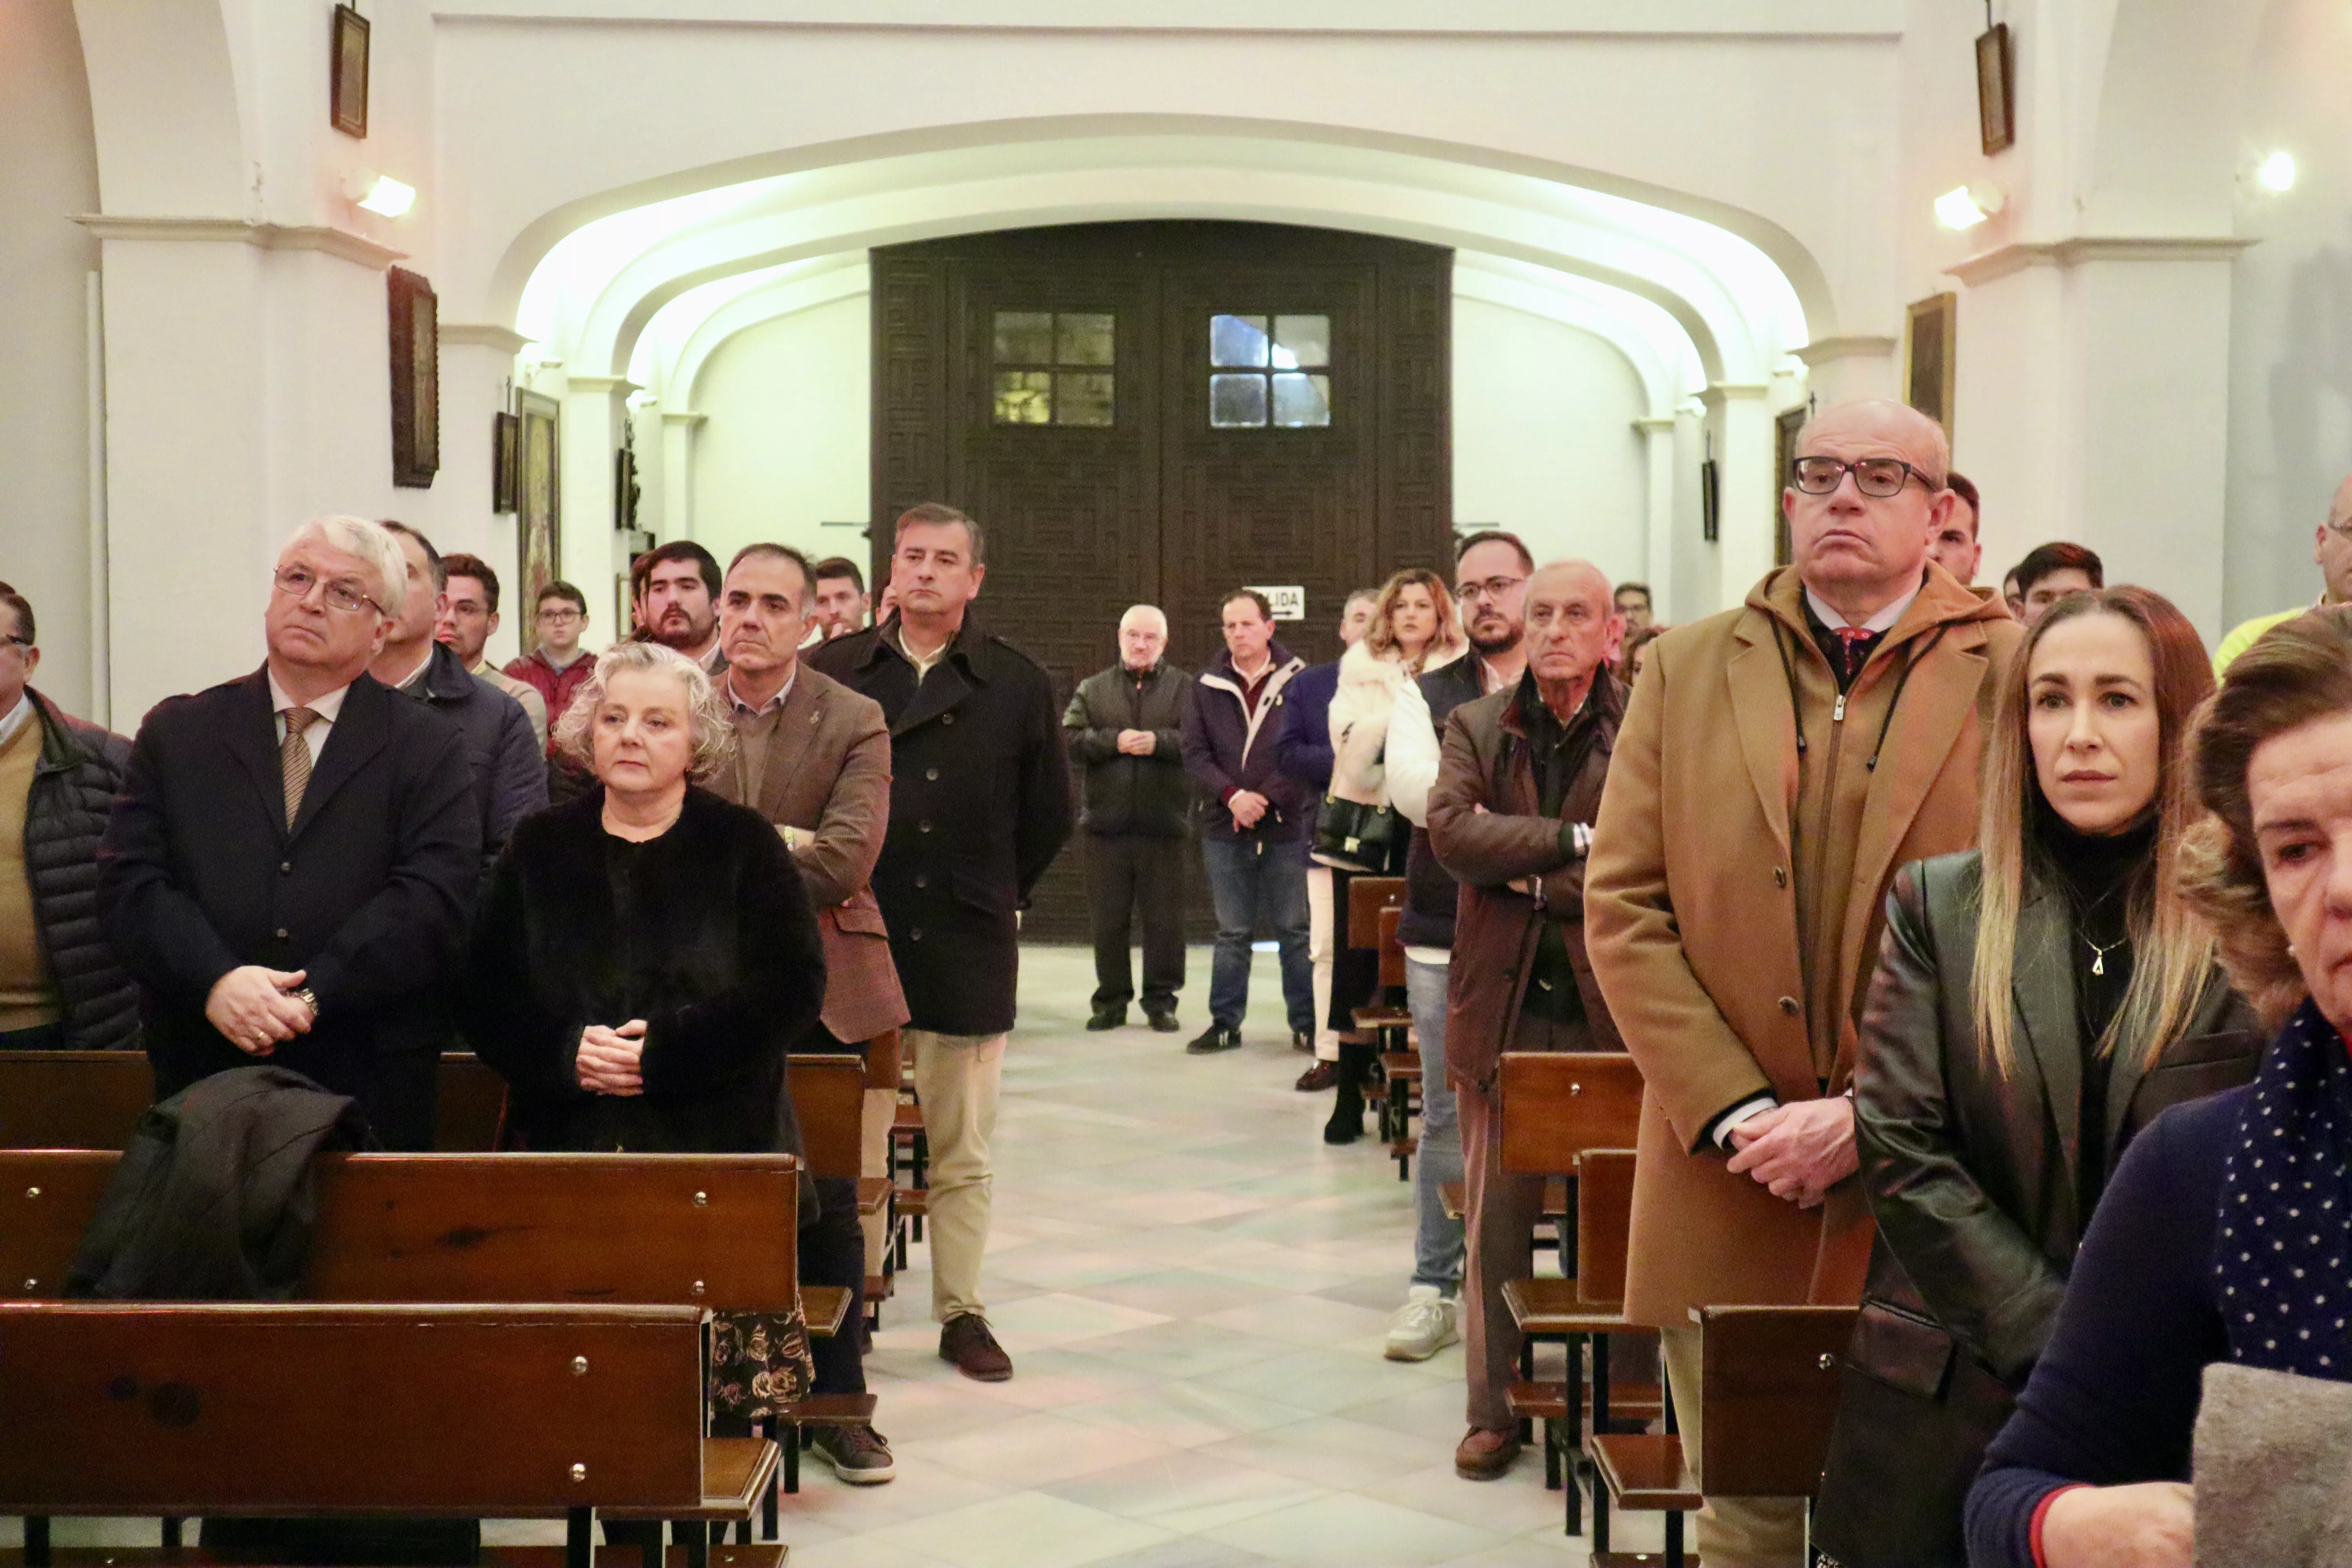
1689	300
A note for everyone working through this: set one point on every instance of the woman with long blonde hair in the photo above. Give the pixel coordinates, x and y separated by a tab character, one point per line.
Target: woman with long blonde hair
1414	629
2037	1001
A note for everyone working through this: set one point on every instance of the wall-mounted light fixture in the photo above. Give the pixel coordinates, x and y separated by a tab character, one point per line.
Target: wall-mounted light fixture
1965	206
379	193
2275	174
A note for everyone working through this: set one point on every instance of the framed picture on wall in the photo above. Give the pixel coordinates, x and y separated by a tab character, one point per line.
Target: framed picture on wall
539	532
348	79
506	452
1929	361
1996	97
416	379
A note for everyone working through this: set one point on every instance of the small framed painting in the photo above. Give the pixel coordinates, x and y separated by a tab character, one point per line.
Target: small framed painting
1996	94
416	379
506	460
348	80
1927	372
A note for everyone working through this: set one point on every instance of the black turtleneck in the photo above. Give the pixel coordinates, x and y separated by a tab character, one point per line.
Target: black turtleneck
2095	873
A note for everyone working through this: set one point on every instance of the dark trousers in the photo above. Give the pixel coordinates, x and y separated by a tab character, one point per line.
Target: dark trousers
39	1037
833	1252
1124	869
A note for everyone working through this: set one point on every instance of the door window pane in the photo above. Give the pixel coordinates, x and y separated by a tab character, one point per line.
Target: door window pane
1238	341
1084	339
1302	342
1301	402
1028	387
1236	402
1082	398
1024	397
1024	337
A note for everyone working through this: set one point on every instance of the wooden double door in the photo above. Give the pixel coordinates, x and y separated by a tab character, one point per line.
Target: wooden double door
1158	413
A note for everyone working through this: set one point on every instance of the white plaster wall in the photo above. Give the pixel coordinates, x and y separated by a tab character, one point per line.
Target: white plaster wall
48	168
1544	442
2290	435
784	445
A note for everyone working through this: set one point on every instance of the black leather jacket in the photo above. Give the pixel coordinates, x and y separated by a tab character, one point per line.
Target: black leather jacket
1971	1180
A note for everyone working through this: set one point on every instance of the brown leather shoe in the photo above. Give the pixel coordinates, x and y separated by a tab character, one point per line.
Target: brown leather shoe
1318	1078
1484	1456
964	1339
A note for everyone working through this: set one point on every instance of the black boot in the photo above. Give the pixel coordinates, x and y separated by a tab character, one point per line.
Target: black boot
1347	1123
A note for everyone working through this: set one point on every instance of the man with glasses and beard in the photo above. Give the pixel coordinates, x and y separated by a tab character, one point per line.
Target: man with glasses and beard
1490	583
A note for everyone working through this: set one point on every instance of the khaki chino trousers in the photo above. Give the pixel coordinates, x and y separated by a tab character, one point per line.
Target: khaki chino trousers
956	1080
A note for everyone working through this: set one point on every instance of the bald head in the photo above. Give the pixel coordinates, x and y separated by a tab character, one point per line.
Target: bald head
1904	432
1860	552
1143	636
2332	546
1572	629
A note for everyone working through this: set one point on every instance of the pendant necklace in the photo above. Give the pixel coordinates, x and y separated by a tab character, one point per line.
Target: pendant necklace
2099	954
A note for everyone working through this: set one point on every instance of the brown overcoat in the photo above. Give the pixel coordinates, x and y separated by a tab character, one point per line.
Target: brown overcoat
1487	829
1691	912
827	776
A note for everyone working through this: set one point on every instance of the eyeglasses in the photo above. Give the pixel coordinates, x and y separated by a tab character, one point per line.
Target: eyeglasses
1493	588
559	618
296	583
1875	477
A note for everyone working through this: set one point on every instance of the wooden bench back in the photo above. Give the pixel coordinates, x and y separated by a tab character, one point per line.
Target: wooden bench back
1558	1104
1392	949
72	1100
829	1098
1367	897
93	1100
1770	1383
1604	1224
708	1231
882	1061
147	1408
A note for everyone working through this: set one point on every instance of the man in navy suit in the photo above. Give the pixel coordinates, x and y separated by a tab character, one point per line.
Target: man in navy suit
293	857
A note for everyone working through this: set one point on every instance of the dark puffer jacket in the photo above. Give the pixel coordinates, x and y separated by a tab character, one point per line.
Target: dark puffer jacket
1148	797
74	783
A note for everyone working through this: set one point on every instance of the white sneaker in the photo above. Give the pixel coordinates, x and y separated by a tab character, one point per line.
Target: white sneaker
1423	1325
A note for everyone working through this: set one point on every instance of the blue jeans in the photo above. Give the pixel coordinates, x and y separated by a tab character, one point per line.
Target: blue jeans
1253	882
1437	1239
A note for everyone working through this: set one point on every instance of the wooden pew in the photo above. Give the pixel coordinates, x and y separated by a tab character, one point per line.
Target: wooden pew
1400	1067
93	1100
177	1409
712	1232
1770	1396
1558	1107
883	1071
828	1097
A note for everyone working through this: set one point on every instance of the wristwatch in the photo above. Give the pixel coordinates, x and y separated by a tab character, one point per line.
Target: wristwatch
308	1000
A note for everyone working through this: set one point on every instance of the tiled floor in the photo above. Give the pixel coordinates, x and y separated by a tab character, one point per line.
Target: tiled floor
1194	1291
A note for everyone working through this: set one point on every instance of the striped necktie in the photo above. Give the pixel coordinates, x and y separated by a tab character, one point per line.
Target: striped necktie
294	759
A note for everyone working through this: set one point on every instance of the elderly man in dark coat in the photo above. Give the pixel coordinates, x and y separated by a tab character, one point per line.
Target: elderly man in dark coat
1510	818
980	804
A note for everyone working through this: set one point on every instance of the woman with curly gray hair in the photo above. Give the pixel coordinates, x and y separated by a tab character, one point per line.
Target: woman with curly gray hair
642	959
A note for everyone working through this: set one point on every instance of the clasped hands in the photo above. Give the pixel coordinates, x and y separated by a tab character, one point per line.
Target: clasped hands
1797	1152
610	1061
1137	743
254	1008
1248	806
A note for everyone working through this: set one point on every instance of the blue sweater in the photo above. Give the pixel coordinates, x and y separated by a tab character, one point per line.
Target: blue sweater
2114	1398
1306	738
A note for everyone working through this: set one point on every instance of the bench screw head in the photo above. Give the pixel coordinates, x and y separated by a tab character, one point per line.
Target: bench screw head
580	1366
1829	1363
698	1287
31	1283
1576	1088
32	1192
702	1200
579	1472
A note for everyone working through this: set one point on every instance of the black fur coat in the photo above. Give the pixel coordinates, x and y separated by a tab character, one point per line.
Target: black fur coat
704	933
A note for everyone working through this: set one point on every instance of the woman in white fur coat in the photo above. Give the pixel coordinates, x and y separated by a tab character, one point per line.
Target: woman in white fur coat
1414	629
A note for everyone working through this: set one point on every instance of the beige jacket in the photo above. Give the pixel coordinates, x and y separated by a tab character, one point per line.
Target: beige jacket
1734	900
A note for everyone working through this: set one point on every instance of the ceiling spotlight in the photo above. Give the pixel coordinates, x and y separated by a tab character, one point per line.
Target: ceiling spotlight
1965	206
2275	174
380	194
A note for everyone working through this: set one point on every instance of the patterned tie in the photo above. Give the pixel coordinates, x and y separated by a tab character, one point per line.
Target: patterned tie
294	759
1854	643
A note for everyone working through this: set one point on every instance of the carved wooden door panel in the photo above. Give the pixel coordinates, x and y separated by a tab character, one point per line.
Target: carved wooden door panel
1158	413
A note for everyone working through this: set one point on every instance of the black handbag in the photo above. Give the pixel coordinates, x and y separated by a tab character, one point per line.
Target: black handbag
1353	836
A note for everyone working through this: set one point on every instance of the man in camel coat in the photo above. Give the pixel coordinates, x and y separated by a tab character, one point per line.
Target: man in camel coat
1778	763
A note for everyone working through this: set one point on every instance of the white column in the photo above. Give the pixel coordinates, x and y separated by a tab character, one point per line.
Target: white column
2092	404
1740	420
677	428
1658	536
478	368
594	556
1839	369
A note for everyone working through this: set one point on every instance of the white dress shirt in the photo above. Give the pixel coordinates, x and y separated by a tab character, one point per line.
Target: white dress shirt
327	708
